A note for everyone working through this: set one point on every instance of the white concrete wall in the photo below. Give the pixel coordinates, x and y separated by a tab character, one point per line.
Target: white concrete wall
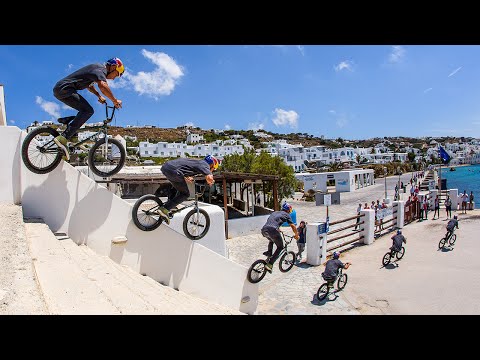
3	114
10	181
246	226
70	202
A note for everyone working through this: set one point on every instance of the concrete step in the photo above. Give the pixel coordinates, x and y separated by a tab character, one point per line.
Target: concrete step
163	298
65	287
108	279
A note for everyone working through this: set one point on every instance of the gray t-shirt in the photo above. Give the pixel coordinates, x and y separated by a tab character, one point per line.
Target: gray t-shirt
189	167
79	80
331	268
398	241
277	218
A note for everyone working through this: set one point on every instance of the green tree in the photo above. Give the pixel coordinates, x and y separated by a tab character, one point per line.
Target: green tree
265	164
411	156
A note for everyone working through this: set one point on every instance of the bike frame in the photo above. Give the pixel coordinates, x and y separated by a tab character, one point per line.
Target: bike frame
285	248
102	129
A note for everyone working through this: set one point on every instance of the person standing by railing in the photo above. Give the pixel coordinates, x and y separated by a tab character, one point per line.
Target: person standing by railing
436	206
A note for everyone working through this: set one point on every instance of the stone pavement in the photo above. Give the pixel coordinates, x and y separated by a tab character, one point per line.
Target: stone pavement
294	292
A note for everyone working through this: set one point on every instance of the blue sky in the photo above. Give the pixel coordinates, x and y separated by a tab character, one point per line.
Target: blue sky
353	92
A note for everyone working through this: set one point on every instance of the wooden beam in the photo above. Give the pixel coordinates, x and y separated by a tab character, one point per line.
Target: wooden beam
275	196
225	206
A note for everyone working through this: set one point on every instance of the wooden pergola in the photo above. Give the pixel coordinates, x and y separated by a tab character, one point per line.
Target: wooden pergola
246	178
223	178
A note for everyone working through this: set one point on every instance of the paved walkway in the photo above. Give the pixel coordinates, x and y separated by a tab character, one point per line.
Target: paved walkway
409	288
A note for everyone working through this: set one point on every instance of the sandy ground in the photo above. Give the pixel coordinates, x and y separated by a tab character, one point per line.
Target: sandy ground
19	291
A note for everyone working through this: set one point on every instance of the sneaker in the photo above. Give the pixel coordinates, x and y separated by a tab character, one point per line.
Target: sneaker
267	253
61	142
164	214
268	267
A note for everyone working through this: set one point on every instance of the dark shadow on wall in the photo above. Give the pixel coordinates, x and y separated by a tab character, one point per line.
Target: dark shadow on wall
90	211
44	202
158	247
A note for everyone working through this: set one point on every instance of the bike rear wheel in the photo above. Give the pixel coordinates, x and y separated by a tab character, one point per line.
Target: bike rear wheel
386	259
342	281
40	154
196	224
257	271
287	261
145	212
400	253
106	162
322	291
441	243
453	238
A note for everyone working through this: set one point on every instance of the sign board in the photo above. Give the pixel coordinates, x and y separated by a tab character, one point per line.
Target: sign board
330	176
327	199
383	213
322	228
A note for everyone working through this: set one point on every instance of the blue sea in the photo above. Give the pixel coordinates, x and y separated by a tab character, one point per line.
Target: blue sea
464	178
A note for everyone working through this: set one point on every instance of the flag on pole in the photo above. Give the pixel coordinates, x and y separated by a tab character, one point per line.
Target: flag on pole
442	153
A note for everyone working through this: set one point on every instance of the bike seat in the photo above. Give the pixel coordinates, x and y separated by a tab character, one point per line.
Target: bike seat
65	120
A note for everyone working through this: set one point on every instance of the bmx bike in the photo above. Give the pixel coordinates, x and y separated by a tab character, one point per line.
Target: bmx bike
258	270
450	238
106	157
145	214
387	258
327	287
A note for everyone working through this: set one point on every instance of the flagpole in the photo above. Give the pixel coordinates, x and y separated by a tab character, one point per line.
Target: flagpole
440	174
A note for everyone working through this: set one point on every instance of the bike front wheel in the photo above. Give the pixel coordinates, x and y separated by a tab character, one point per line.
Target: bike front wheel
145	212
400	253
40	154
386	259
342	281
287	261
441	243
453	238
106	162
322	291
257	271
196	224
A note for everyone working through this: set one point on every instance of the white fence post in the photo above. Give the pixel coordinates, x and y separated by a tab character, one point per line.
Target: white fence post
400	213
368	226
316	244
454	197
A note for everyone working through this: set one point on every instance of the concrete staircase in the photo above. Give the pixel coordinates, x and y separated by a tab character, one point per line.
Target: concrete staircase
76	280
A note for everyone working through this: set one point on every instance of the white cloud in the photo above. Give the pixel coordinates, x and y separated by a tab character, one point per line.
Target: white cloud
255	126
227	127
346	64
397	54
66	107
159	82
190	124
70	66
476	123
301	49
284	117
427	90
341	119
51	108
454	71
12	121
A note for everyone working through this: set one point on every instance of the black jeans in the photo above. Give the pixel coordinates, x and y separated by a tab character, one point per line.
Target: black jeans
273	235
180	187
85	112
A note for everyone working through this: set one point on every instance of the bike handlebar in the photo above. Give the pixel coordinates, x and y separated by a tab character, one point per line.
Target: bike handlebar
109	119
